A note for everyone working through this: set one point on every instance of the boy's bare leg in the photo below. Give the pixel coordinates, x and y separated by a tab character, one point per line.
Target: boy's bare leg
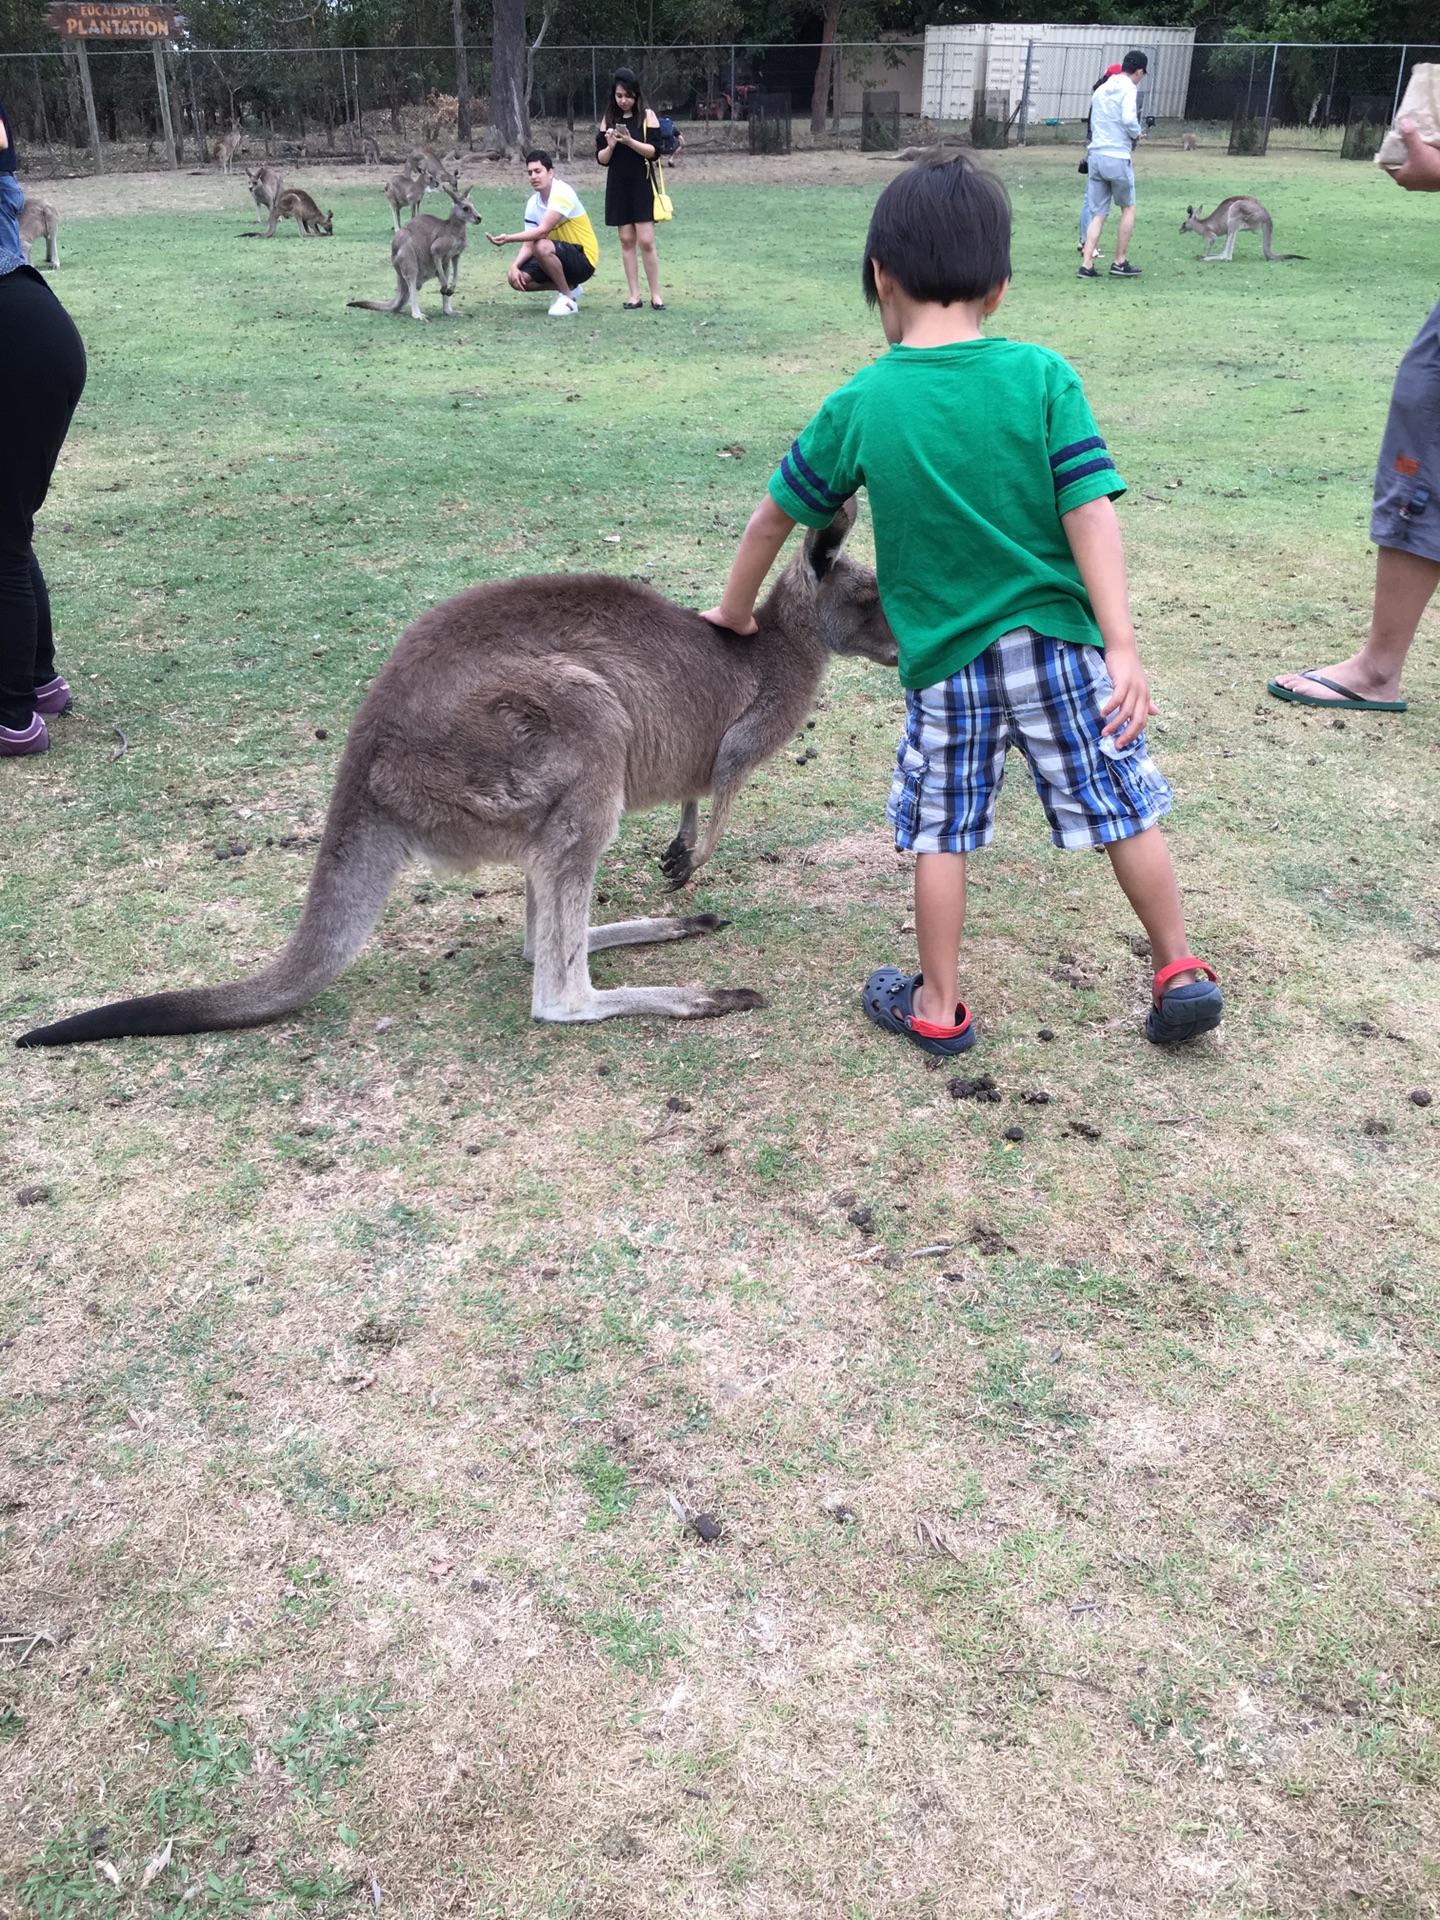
1404	583
939	923
1142	866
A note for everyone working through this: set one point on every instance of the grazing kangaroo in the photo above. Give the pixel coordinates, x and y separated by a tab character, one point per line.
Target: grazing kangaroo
1231	217
37	218
293	203
518	722
226	148
266	183
1189	142
427	249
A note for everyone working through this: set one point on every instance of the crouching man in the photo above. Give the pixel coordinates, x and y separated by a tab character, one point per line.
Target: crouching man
558	248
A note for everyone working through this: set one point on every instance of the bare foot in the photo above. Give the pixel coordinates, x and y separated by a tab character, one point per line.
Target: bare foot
1356	673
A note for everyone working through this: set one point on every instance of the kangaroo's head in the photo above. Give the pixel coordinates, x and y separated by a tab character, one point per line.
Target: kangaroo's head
1193	217
460	204
326	221
843	595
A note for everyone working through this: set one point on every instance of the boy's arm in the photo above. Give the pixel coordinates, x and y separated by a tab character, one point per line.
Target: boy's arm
768	530
1094	535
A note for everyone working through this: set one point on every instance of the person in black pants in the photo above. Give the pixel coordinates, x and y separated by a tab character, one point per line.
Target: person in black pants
43	363
623	146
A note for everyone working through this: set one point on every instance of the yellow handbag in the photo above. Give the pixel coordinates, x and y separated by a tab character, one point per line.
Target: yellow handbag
664	205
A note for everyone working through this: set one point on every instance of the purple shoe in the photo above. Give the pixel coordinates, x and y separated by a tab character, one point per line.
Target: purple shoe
53	697
17	741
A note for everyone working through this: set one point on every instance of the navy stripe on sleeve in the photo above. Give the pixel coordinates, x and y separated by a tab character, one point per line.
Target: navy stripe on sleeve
825	491
1063	480
800	488
1080	446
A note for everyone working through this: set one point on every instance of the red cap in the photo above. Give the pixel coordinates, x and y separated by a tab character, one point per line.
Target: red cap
1117	68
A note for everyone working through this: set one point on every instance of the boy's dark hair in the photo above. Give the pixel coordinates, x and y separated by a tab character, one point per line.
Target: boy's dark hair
1135	62
942	229
547	160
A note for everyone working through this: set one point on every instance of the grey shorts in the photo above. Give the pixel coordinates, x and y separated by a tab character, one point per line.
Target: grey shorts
1406	512
1111	179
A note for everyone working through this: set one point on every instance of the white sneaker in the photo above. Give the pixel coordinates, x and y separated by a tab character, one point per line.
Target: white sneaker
563	303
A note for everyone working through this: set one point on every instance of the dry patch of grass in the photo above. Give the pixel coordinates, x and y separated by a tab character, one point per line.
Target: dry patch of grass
367	1378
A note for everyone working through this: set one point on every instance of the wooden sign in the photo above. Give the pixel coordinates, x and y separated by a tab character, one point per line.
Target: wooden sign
120	20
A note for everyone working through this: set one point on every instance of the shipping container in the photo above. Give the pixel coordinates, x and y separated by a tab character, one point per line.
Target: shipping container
962	62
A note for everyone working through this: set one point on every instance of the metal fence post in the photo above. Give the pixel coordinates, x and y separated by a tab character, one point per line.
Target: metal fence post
1270	95
732	79
594	92
1025	94
1399	82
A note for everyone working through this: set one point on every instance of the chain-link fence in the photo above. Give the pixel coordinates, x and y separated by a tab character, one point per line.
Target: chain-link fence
332	104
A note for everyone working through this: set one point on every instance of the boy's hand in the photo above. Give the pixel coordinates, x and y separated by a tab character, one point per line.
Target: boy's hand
716	617
1421	171
1130	705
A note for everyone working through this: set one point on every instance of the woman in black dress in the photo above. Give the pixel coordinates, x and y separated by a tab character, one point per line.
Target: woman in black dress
44	372
624	148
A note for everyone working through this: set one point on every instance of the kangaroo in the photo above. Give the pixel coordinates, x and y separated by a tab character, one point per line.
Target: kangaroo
293	203
37	218
427	249
1189	142
405	189
1231	217
226	148
518	722
265	183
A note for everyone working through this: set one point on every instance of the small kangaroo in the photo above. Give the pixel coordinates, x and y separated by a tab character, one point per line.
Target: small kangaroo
266	183
1189	142
1231	217
226	148
427	249
405	189
37	218
518	722
293	203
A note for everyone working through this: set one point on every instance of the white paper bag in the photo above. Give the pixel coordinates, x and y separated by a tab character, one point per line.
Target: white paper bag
1422	105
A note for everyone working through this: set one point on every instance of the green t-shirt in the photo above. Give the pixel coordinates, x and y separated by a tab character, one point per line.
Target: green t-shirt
970	454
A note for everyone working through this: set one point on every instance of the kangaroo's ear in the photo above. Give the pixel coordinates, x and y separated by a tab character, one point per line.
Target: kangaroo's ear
823	544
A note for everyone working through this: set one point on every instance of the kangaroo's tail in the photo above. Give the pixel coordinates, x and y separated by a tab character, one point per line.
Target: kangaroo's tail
355	869
381	306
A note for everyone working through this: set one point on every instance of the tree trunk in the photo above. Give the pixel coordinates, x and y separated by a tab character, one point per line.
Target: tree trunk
820	99
462	76
509	107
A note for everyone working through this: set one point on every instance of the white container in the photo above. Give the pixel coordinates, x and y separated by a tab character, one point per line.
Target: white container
1065	62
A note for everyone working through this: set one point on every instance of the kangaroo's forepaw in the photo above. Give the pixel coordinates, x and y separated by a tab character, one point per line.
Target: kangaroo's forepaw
676	864
738	1000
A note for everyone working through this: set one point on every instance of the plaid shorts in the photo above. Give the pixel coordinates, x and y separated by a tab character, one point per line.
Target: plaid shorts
1044	697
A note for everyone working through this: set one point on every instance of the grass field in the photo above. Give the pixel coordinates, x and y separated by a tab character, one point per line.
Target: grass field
1083	1568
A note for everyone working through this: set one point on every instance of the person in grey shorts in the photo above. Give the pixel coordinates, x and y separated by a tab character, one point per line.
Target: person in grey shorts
1114	131
1405	516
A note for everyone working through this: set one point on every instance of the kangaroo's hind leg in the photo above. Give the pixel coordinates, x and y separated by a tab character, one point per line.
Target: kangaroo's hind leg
628	933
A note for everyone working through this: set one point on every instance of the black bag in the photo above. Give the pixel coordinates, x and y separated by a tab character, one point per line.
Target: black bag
1084	167
667	140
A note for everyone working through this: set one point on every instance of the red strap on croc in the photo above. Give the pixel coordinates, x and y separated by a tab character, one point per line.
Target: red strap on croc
1188	965
930	1031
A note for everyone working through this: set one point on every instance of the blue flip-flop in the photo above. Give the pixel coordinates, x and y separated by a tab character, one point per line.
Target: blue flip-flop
888	1000
1184	1013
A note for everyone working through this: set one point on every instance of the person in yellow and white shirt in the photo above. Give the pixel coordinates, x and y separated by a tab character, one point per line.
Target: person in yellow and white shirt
558	248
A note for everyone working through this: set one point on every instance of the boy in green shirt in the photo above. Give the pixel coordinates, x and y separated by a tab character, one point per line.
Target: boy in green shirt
1002	574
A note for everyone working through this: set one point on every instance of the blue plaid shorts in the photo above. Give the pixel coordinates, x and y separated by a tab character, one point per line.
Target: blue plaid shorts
1044	697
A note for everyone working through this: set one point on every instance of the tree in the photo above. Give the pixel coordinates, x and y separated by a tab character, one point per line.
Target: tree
509	71
820	98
